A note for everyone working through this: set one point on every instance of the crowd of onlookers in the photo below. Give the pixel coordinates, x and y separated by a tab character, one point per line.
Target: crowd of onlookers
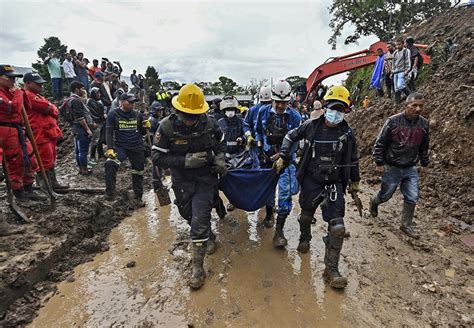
396	71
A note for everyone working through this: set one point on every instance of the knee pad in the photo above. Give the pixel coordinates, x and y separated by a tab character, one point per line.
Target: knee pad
337	228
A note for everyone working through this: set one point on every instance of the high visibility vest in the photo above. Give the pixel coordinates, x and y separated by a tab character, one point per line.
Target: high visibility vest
162	95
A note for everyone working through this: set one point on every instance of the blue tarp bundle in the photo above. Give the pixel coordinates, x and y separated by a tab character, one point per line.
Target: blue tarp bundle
376	81
250	189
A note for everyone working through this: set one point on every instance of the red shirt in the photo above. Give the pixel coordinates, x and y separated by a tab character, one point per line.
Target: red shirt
43	118
11	104
93	70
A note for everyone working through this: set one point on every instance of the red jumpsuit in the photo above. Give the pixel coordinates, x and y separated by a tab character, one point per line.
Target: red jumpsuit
42	115
11	122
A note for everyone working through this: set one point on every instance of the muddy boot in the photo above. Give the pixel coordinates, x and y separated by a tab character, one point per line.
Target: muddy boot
109	196
54	181
230	207
163	196
407	219
268	221
279	239
211	244
84	170
374	206
20	196
31	195
333	242
305	236
7	229
220	208
199	275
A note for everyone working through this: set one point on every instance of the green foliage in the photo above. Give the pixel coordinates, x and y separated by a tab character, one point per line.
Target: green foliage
383	19
227	85
152	78
171	85
60	49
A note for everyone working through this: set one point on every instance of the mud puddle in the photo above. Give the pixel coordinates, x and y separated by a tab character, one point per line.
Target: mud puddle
249	282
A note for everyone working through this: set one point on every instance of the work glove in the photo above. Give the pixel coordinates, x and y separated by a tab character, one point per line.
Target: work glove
195	160
354	187
110	153
146	124
251	141
219	165
280	165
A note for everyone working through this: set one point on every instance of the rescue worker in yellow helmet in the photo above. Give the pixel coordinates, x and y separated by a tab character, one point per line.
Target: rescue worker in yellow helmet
328	165
189	142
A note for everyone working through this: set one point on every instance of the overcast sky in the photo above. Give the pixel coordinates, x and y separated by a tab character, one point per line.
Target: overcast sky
185	41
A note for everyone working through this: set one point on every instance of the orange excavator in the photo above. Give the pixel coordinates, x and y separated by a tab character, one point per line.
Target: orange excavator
337	65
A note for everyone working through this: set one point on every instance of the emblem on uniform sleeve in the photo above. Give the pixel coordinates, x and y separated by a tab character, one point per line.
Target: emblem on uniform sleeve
157	137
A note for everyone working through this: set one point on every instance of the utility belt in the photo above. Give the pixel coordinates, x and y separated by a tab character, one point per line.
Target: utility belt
328	194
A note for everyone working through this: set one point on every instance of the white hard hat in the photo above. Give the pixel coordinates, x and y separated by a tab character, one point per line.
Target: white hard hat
317	105
265	93
281	91
229	102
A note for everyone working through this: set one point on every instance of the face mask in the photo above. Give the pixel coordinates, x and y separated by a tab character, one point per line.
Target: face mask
230	113
333	116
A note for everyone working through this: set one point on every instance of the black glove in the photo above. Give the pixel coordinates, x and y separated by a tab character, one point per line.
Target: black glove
195	160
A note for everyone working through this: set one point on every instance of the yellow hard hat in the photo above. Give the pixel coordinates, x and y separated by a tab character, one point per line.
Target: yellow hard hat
191	100
243	109
338	92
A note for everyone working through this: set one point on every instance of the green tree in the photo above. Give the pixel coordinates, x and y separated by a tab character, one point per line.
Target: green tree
152	78
227	85
171	85
383	19
60	49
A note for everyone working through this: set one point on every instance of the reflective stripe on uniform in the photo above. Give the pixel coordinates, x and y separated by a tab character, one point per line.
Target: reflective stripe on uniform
137	172
231	143
116	161
163	150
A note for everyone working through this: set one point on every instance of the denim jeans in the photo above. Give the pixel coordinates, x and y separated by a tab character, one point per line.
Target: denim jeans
81	145
57	88
407	178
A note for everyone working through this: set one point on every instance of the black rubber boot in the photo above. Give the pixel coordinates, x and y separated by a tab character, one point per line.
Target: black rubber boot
211	244
397	97
220	208
199	275
374	206
279	239
269	218
407	219
7	229
333	242
305	236
20	196
54	181
31	195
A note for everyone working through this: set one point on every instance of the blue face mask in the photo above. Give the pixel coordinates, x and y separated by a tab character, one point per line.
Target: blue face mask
333	116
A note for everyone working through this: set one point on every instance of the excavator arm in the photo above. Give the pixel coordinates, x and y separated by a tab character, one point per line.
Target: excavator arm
337	65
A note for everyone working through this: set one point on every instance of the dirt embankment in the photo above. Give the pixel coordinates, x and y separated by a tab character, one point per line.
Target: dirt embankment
55	242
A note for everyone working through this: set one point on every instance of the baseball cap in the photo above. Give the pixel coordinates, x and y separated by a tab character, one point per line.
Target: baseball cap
130	97
8	70
99	74
33	77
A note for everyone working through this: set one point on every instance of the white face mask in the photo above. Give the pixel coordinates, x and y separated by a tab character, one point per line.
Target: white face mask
230	113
